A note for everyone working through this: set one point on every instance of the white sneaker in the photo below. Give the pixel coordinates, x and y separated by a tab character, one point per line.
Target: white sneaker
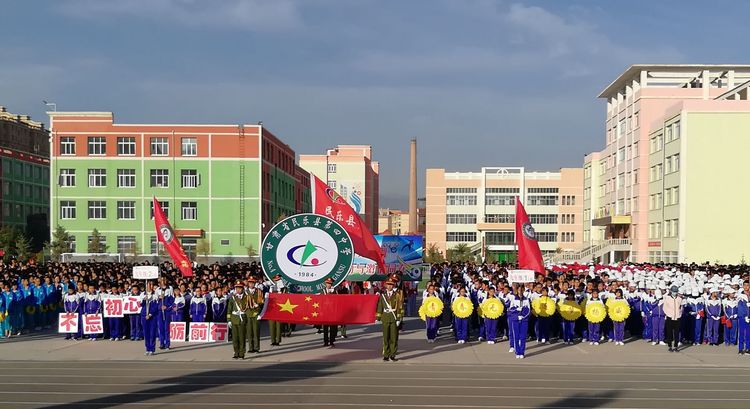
544	341
662	343
520	357
591	343
511	350
491	342
653	343
480	339
596	343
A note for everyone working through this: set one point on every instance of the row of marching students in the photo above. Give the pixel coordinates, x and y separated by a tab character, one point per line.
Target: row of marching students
162	305
594	314
28	305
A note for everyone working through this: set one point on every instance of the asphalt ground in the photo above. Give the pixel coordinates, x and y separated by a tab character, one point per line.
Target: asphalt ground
44	371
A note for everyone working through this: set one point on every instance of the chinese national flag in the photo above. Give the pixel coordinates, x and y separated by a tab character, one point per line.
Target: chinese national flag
529	255
328	203
166	235
316	309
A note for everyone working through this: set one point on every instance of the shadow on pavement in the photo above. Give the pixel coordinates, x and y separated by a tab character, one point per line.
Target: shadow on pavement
193	383
582	400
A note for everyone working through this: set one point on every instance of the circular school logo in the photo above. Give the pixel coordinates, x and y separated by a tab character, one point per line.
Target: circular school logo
305	250
166	233
528	231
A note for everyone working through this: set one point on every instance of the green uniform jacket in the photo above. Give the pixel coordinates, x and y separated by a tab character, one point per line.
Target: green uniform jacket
396	301
237	304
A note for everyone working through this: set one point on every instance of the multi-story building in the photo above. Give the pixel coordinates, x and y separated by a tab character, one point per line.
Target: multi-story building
24	174
389	221
225	184
478	209
647	132
350	170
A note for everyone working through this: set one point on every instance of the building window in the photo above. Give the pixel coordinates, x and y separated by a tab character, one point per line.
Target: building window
97	145
451	190
67	145
499	237
159	177
461	219
97	209
126	244
332	184
156	246
546	237
500	218
568	237
189	211
67	177
514	190
461	200
164	208
125	177
543	218
126	210
189	147
126	145
543	200
499	200
97	177
224	242
331	168
462	236
189	178
67	209
189	244
159	146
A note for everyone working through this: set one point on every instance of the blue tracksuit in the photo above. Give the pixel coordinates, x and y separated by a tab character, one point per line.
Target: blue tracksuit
713	316
647	305
165	318
520	310
198	309
148	317
696	309
730	330
743	322
73	305
92	305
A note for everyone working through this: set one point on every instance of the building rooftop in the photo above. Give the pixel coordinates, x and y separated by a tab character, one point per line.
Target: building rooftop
674	75
24	119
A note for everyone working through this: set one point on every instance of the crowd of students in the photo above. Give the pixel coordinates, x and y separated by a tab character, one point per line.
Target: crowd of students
669	304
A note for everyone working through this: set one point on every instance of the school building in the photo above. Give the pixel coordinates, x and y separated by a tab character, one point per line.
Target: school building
225	184
478	209
667	185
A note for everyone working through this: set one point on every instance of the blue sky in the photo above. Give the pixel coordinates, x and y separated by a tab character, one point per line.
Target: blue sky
478	82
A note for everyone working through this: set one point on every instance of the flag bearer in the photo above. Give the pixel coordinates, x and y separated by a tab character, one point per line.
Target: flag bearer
237	320
390	311
255	305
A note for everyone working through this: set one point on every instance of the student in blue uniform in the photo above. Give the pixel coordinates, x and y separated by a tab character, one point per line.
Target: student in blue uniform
431	323
72	305
713	316
647	306
178	307
658	319
166	302
490	324
219	306
461	324
594	328
198	308
695	314
743	319
568	327
136	323
619	326
730	313
92	305
11	306
149	312
116	328
520	308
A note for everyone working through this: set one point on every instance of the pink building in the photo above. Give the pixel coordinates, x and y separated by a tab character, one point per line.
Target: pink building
616	179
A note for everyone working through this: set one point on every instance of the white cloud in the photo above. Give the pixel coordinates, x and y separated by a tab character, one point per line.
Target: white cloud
261	15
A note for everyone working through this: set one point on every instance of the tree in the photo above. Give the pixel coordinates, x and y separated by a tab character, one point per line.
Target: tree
8	237
23	248
251	251
96	245
203	247
434	255
61	241
460	253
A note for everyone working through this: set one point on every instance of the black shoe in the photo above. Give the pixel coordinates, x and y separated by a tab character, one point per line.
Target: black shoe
333	346
242	357
386	359
394	359
257	351
235	357
670	349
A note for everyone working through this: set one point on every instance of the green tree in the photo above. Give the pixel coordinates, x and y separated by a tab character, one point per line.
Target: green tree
433	255
203	247
8	236
460	253
96	245
23	248
251	252
61	241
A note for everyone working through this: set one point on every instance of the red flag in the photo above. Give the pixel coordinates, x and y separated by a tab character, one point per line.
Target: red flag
317	309
329	203
166	235
529	255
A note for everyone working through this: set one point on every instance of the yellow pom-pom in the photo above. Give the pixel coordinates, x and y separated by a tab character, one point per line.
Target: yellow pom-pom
492	308
421	313
543	306
618	310
433	307
595	312
462	307
570	310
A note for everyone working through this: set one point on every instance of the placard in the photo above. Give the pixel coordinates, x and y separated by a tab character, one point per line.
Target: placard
92	324
219	332
177	331
145	272
521	276
67	323
132	304
113	307
198	332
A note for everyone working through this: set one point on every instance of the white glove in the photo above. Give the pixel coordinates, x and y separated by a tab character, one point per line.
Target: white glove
692	312
229	324
520	318
398	323
698	317
747	320
643	314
